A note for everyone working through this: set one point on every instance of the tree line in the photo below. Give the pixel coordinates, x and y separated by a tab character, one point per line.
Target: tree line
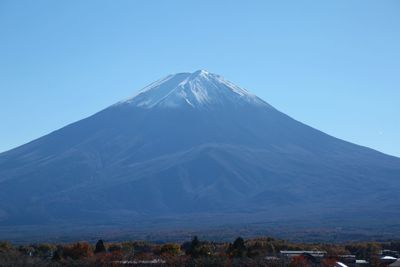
195	252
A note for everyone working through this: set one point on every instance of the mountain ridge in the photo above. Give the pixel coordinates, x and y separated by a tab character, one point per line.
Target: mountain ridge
131	160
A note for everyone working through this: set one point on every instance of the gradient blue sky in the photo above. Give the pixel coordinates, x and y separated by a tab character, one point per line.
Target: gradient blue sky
334	65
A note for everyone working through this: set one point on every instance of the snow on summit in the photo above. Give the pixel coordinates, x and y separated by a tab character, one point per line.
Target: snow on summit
198	90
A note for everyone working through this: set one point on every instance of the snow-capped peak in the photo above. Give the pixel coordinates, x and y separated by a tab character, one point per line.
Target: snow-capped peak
198	89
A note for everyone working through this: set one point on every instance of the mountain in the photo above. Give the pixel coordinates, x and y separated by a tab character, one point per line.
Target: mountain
194	146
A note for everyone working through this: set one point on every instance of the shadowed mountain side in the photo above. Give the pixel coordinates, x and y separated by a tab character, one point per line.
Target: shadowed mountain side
187	145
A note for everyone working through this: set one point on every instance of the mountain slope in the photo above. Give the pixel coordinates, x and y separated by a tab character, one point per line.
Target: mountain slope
192	144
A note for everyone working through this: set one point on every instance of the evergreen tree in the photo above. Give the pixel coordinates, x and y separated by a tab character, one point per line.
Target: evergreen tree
197	249
100	248
238	248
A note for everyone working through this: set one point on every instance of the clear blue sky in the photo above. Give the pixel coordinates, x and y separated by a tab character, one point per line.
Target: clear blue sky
334	65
